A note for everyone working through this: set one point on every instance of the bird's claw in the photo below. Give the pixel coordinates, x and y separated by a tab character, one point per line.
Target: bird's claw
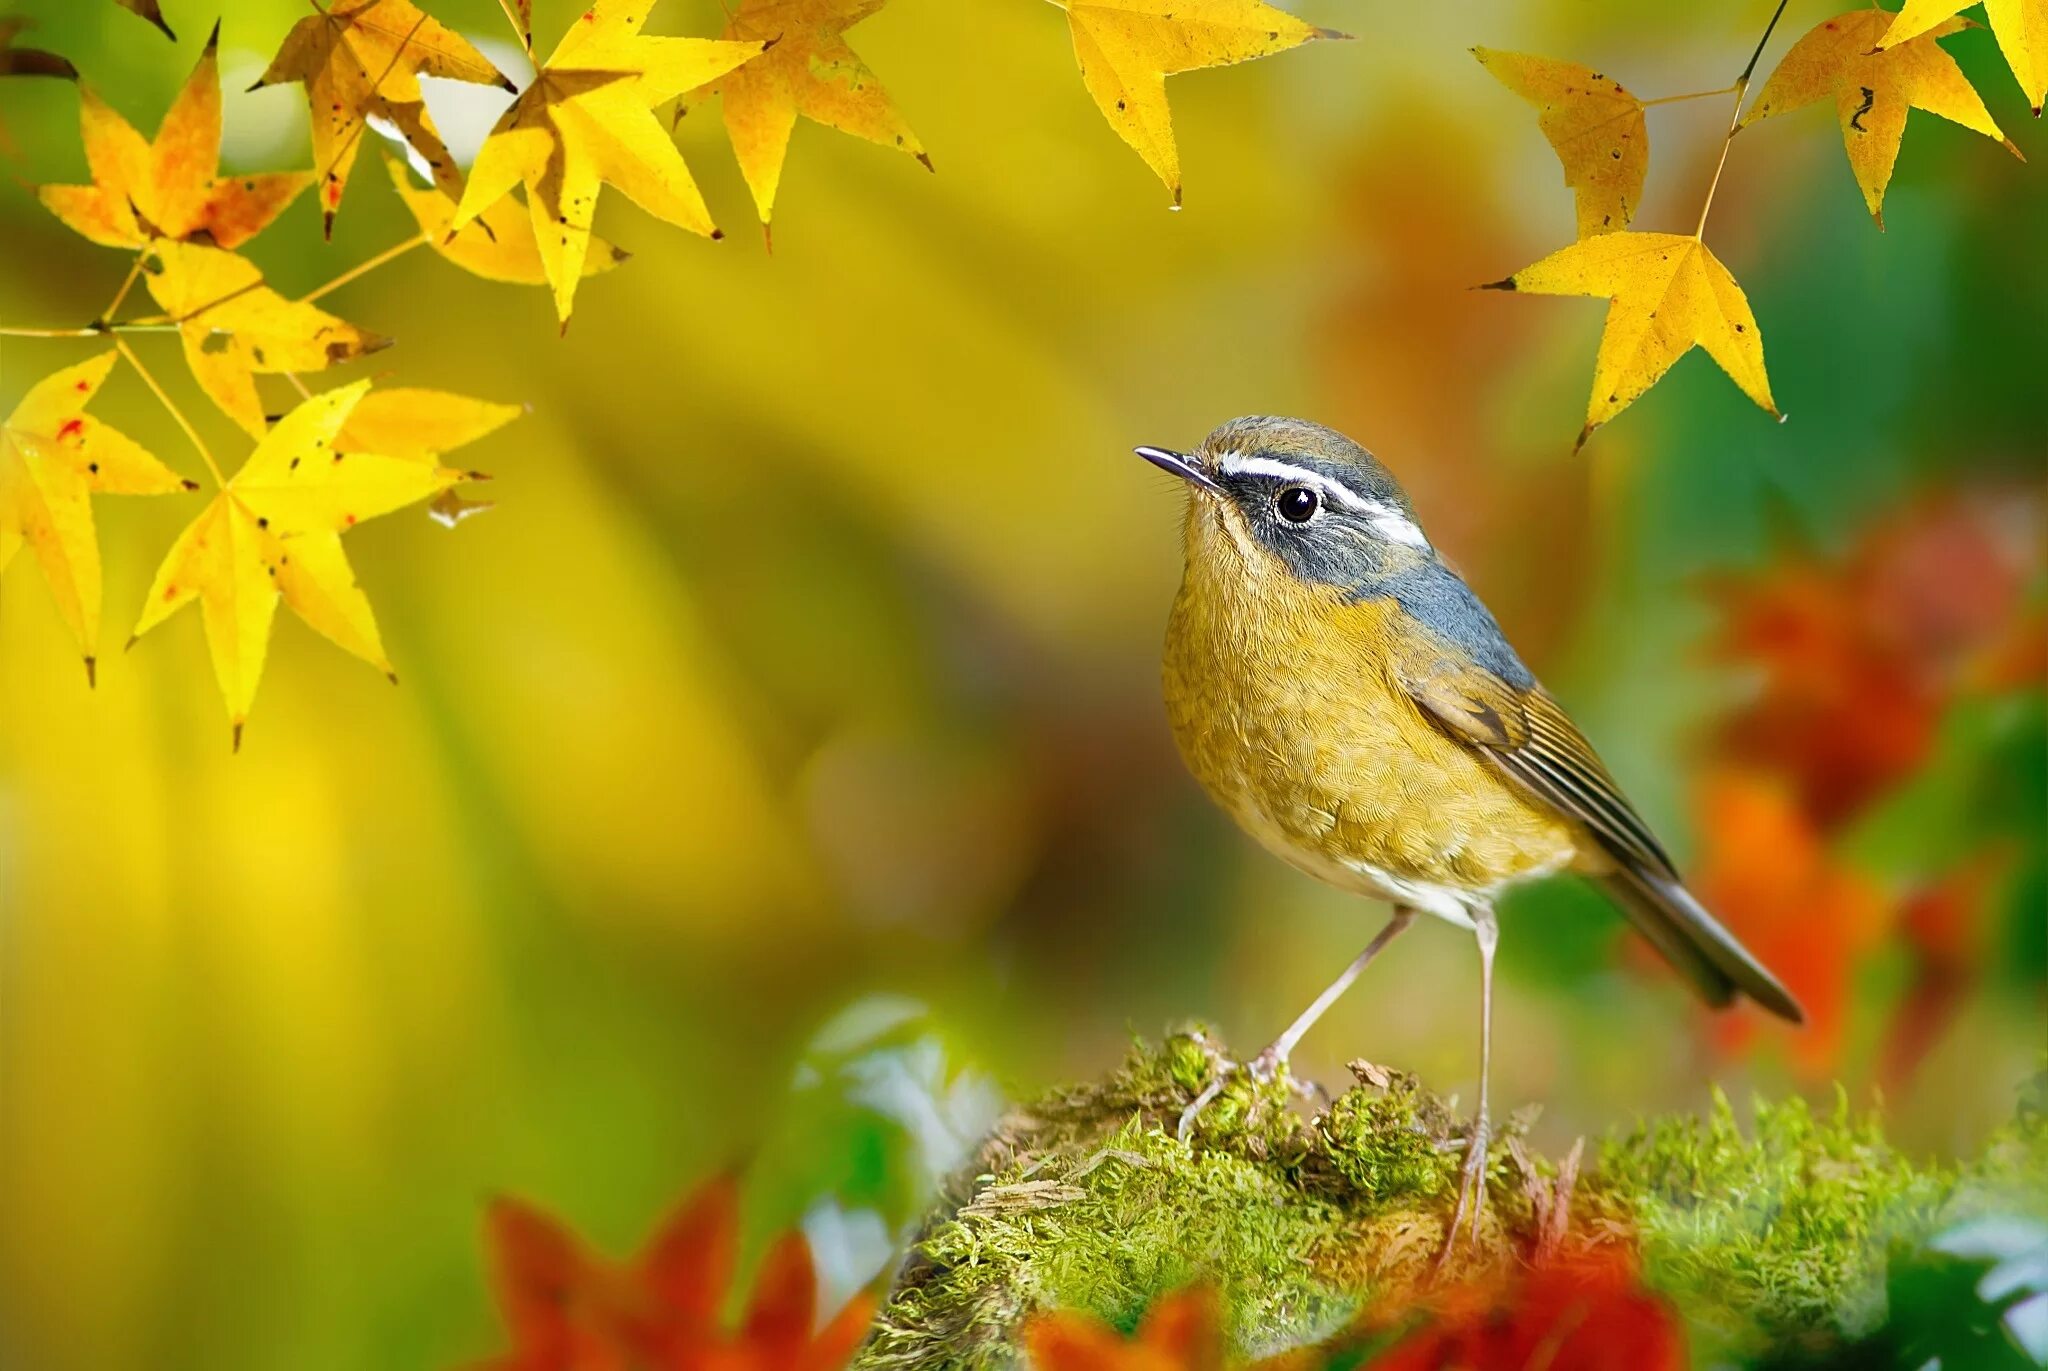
1269	1065
1472	1196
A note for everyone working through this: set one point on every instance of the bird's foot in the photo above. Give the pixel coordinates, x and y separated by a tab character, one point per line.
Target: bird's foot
1472	1198
1269	1065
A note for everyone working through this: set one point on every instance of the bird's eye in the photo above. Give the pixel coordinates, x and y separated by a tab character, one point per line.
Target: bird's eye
1298	504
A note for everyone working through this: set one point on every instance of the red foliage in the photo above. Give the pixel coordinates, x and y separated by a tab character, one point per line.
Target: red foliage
1765	870
1585	1313
568	1309
1182	1332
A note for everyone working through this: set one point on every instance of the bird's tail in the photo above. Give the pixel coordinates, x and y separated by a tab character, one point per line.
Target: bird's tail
1694	941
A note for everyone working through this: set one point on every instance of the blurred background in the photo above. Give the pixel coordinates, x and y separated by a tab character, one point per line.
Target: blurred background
779	772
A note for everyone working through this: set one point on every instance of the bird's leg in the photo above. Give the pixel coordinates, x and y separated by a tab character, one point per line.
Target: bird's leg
1273	1060
1472	1180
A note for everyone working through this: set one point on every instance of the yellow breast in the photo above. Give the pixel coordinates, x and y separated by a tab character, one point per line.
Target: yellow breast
1285	707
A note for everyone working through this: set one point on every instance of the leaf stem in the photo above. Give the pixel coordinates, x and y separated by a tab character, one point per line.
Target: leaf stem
128	354
1741	88
512	18
365	267
127	284
1692	95
89	331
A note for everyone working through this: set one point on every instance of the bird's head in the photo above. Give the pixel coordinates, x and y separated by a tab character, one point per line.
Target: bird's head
1269	494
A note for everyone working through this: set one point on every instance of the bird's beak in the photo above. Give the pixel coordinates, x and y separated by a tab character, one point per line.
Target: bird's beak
1177	463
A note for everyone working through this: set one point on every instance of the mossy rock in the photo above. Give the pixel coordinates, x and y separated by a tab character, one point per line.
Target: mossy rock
1085	1199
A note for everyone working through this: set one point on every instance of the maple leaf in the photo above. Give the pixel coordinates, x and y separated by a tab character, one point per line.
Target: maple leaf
1181	1332
362	59
1873	90
1127	49
274	532
587	120
233	326
1670	294
1595	126
570	1310
1766	872
2021	27
168	187
808	69
1589	1313
53	456
29	61
498	244
150	10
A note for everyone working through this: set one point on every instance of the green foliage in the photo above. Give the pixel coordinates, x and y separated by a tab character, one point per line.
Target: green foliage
1771	1236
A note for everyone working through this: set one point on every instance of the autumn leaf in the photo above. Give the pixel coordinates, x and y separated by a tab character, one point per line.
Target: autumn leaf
169	187
568	1309
1588	1313
1181	1332
1127	49
233	326
498	244
2020	25
150	10
274	531
53	456
362	59
587	121
29	61
1670	294
1765	870
808	69
1595	126
1873	90
420	425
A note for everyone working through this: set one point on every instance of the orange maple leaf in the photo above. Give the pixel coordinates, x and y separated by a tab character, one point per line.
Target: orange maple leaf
170	186
570	1310
1766	872
1588	1313
1183	1331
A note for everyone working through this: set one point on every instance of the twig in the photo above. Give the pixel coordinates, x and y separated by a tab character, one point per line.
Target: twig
128	354
364	268
127	284
1735	116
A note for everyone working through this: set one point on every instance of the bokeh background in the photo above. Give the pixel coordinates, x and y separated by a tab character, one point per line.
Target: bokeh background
779	775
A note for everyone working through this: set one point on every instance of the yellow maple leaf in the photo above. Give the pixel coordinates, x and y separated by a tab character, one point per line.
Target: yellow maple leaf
1595	126
168	187
1670	294
53	456
362	59
810	70
498	244
587	121
2021	27
1873	90
1127	49
233	326
274	532
420	425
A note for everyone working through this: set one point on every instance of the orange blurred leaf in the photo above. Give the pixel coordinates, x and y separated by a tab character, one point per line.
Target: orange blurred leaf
1589	1313
568	1309
362	59
170	186
1765	870
1873	89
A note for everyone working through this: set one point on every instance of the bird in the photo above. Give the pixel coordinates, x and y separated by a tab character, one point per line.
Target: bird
1341	692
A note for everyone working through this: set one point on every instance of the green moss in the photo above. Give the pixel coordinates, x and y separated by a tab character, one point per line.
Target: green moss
1085	1199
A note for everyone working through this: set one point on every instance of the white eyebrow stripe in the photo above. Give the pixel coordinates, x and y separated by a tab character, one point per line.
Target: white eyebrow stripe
1388	520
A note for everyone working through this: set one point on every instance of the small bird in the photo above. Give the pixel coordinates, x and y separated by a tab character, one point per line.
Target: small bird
1340	691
